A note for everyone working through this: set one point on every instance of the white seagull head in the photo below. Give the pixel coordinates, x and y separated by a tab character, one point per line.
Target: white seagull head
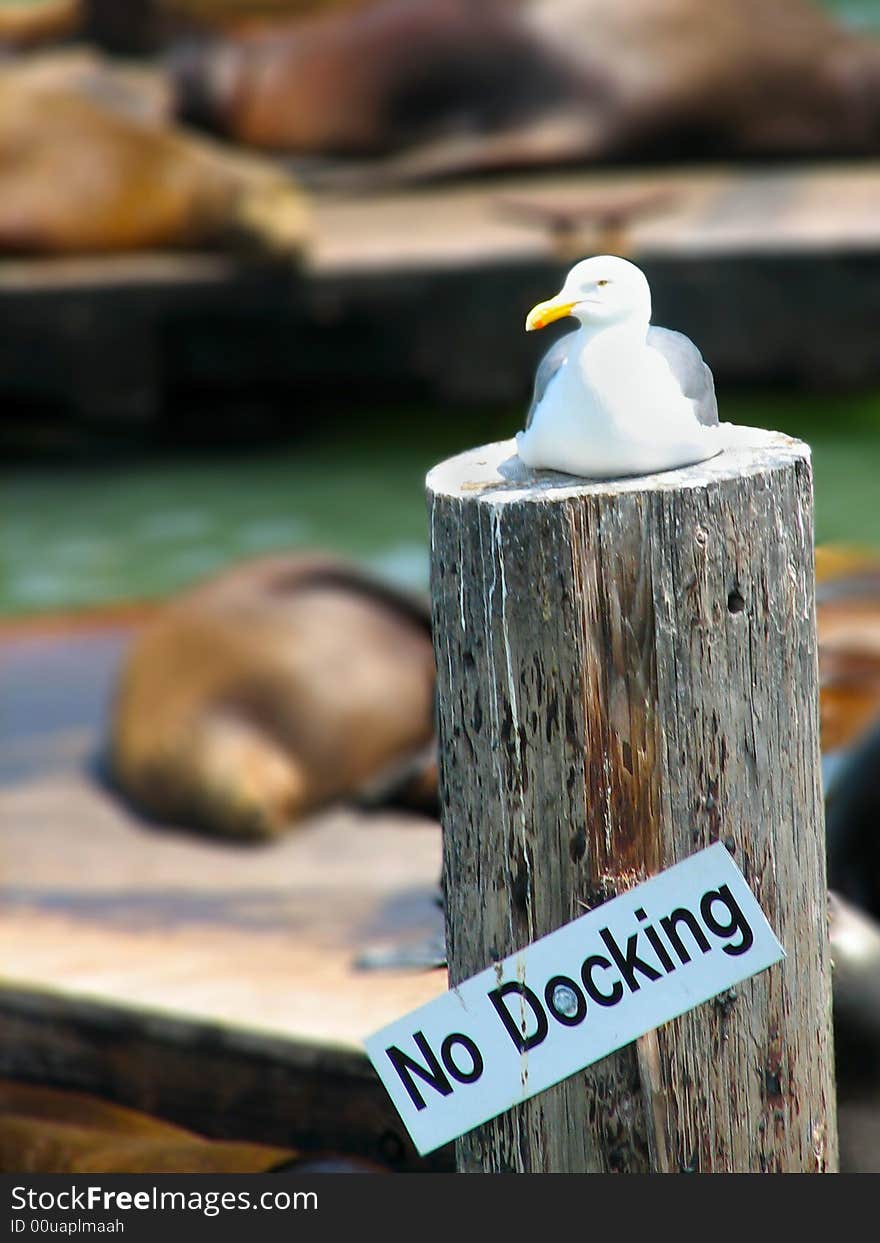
599	291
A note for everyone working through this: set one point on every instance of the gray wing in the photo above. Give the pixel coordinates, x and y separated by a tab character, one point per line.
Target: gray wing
547	369
686	364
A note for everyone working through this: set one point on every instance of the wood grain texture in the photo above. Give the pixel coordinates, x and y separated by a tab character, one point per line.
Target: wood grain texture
627	673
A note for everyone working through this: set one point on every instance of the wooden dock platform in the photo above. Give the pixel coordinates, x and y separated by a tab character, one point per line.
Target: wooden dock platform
213	985
734	255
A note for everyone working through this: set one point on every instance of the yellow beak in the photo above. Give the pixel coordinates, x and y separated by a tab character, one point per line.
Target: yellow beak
546	312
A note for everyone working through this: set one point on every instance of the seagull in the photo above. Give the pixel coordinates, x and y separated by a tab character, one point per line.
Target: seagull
617	396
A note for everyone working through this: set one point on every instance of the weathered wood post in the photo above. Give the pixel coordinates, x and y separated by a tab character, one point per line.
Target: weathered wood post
627	673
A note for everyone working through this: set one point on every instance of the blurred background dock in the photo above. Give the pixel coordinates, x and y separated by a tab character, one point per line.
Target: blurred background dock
734	255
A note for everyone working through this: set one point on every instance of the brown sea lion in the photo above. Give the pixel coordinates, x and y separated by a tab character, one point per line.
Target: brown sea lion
46	1130
277	687
507	83
80	177
245	14
135	90
373	81
848	615
28	23
142	27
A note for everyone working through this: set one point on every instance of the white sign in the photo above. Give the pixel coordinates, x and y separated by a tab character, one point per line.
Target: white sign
573	997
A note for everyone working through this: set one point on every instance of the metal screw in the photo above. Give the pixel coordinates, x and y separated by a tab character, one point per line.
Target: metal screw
565	1001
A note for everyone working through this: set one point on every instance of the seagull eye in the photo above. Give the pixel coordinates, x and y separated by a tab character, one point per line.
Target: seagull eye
602	283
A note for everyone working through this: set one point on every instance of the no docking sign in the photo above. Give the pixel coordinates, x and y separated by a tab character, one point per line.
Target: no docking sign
573	997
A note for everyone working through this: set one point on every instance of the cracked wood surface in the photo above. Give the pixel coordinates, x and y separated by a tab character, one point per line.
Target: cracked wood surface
627	673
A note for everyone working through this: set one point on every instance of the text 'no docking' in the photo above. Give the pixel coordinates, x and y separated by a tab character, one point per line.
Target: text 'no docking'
573	997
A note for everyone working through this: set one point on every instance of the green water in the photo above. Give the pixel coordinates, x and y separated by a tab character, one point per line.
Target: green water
864	13
142	526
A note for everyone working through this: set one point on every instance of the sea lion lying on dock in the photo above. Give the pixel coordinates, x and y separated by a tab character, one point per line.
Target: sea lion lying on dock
29	23
368	82
275	688
848	615
245	14
141	91
136	29
48	1130
461	87
79	177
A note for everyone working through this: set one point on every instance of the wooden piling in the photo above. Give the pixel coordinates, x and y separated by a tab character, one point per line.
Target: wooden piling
627	673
